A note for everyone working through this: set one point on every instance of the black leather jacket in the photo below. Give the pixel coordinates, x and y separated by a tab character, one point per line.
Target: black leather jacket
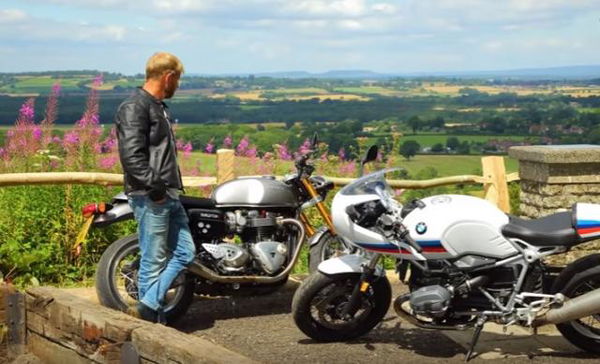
147	146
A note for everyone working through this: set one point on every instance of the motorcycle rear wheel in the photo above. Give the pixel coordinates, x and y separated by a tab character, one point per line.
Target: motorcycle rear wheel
584	332
116	281
320	299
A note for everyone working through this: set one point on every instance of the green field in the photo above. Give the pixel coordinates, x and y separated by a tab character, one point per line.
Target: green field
367	90
450	165
428	140
41	84
446	165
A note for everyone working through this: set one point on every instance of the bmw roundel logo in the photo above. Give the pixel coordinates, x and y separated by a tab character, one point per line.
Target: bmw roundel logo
421	228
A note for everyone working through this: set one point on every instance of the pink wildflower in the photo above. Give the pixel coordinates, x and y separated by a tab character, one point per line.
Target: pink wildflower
242	146
305	147
252	152
348	168
54	164
342	154
110	142
50	115
283	152
83	142
227	142
20	141
71	138
187	149
210	147
108	162
26	111
37	133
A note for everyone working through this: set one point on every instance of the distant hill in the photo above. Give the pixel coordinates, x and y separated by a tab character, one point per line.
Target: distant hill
551	73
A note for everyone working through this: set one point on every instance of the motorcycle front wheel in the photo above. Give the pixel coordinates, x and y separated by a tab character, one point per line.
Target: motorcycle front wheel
320	300
328	246
116	280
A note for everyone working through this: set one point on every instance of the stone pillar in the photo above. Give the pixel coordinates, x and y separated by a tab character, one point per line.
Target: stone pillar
555	177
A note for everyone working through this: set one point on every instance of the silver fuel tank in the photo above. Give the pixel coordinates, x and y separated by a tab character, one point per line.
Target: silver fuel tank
255	192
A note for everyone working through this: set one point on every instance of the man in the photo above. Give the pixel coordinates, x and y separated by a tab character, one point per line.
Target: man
148	153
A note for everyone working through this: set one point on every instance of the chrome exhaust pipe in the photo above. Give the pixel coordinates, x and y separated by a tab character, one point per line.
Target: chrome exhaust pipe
402	313
585	305
207	273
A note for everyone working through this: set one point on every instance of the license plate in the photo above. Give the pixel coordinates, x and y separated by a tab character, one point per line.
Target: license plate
82	236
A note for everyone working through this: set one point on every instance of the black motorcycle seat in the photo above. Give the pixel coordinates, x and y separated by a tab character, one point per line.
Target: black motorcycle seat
190	202
551	230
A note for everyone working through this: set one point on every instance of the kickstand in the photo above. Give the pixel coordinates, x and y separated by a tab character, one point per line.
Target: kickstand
478	328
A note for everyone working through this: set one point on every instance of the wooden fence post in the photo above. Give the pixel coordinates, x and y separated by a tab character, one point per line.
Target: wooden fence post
12	320
496	189
225	165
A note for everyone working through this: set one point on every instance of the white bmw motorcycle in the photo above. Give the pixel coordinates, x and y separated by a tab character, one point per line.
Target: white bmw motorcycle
465	262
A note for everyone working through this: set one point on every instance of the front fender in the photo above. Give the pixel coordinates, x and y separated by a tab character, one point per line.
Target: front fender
351	263
320	234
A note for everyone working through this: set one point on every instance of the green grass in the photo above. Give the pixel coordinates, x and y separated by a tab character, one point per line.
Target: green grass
591	110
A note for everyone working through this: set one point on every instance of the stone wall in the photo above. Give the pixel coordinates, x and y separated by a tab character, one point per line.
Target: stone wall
553	178
63	328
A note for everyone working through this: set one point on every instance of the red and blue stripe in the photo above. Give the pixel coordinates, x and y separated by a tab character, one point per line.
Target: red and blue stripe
429	247
588	227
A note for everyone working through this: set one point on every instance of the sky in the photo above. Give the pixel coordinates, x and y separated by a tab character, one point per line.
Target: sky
254	36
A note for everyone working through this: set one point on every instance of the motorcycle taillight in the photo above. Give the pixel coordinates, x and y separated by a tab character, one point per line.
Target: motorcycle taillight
93	208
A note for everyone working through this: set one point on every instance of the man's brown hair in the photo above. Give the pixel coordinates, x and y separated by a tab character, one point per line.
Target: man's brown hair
162	62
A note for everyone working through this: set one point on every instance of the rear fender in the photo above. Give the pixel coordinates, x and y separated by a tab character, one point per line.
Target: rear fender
120	211
351	263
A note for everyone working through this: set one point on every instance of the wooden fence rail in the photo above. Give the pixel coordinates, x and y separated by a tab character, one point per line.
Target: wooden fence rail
494	179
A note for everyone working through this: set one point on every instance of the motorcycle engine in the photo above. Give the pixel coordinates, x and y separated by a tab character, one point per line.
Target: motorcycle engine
431	301
259	250
231	257
270	255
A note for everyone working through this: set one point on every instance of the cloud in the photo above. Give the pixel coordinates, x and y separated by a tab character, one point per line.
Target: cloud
12	16
16	26
283	34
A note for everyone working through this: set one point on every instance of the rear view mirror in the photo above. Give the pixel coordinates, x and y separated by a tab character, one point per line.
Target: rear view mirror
369	157
371	154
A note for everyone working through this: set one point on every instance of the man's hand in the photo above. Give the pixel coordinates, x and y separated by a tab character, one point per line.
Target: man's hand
161	201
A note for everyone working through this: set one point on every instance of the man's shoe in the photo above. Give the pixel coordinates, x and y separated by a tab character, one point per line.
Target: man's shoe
143	312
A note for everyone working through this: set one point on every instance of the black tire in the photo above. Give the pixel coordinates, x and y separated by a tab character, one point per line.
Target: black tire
107	287
579	278
337	289
328	246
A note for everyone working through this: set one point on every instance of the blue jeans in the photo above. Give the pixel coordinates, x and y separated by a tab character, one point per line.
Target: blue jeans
166	246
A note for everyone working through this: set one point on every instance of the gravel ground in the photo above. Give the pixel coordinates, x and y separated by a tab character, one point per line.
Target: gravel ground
265	332
275	338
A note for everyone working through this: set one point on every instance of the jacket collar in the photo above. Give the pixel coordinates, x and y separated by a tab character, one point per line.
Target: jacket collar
149	96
